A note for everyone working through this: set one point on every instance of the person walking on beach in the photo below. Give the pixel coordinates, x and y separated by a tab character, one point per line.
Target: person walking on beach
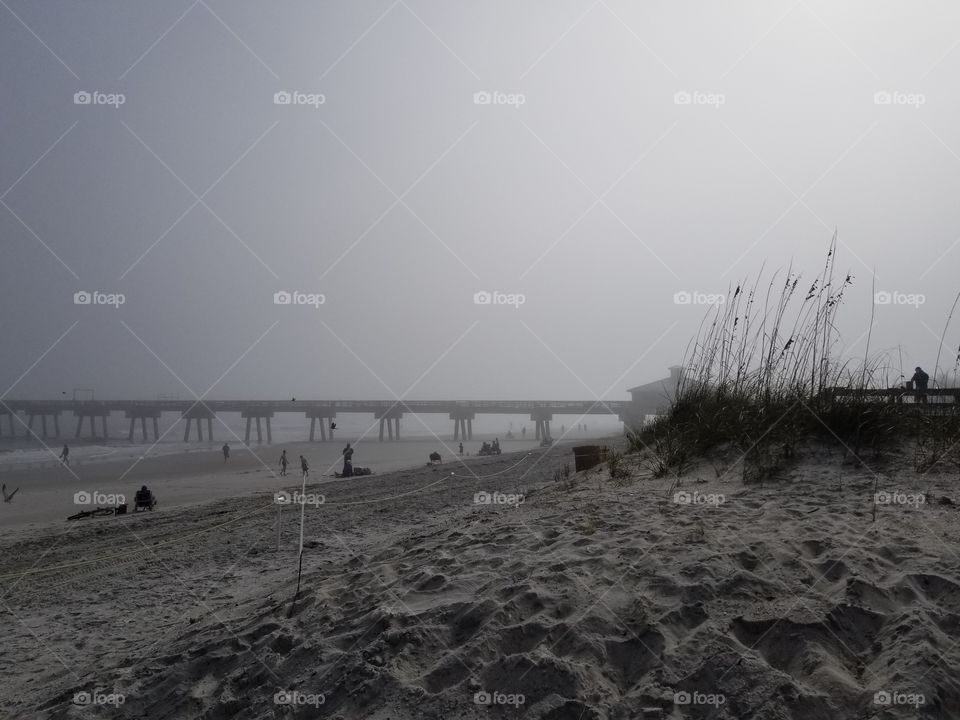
920	380
304	468
461	448
65	455
347	461
226	452
283	464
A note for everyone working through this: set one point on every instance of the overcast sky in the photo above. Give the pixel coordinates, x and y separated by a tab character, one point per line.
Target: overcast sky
590	159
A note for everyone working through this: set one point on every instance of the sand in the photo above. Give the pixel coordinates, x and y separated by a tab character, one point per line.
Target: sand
191	476
590	599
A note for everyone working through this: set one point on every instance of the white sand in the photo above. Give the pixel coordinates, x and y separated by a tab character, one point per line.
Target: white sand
589	599
184	479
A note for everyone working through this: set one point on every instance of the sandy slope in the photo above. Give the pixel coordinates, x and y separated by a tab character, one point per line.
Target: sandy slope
590	599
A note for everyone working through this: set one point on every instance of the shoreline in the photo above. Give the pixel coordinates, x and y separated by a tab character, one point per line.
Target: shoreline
45	501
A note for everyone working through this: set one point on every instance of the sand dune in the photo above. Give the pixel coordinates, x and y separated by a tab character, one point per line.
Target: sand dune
588	599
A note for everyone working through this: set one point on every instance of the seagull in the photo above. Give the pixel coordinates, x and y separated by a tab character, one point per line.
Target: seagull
7	497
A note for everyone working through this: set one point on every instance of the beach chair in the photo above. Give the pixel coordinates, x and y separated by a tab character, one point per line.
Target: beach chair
144	500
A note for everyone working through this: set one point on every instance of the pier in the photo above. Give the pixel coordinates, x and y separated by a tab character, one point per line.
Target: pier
198	415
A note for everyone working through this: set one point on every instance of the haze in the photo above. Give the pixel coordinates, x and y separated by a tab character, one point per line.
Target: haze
587	184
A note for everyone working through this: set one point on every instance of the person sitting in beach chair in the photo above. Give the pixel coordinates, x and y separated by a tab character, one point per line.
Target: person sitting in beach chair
144	500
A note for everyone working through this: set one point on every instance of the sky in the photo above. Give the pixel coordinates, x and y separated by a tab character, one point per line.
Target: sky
388	166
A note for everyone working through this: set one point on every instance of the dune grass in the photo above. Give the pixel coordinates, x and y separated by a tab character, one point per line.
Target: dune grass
761	376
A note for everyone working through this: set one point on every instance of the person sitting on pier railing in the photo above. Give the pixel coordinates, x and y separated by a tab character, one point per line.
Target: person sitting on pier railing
920	380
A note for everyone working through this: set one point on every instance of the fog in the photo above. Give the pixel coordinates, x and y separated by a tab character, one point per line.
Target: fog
584	161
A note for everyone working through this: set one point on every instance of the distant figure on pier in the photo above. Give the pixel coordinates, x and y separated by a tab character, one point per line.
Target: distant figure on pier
920	380
523	431
226	452
496	445
461	448
65	455
7	497
283	464
304	468
347	461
